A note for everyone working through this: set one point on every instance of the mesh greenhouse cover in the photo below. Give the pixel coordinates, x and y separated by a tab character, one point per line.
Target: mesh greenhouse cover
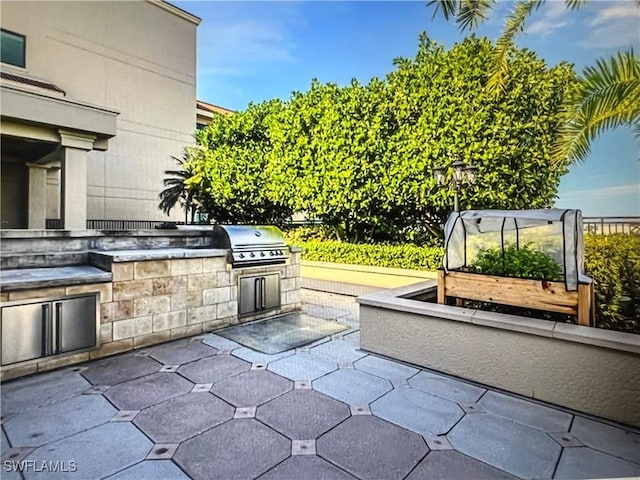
555	232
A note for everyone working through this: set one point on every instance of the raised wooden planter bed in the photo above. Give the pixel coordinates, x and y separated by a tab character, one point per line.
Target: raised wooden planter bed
518	292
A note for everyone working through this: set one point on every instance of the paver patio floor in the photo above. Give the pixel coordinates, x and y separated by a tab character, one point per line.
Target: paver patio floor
199	408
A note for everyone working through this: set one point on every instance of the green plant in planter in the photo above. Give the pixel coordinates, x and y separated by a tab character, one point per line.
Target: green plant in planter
520	262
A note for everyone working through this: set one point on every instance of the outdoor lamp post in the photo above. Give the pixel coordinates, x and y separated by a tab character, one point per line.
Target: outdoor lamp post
462	173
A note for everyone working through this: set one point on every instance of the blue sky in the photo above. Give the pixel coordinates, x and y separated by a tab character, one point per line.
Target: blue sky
254	51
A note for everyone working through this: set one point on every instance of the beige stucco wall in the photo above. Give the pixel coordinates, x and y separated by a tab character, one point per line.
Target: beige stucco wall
133	57
585	377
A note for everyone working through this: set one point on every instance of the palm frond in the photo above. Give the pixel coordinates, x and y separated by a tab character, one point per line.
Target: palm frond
447	8
500	56
575	4
473	12
609	97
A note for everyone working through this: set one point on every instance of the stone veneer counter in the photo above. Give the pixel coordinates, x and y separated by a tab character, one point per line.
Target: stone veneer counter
150	296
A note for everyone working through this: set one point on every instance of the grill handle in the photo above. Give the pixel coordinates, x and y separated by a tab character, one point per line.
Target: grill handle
263	290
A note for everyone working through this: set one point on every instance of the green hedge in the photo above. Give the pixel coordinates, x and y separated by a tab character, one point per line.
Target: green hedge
613	261
396	256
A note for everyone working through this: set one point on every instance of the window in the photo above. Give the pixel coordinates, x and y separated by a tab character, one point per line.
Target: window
13	48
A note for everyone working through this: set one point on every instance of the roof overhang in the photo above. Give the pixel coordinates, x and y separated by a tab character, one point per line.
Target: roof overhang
47	113
176	11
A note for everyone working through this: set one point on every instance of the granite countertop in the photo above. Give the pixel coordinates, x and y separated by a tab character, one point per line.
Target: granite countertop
156	254
44	277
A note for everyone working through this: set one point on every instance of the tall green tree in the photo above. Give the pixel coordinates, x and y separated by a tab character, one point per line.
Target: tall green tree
231	168
609	92
361	157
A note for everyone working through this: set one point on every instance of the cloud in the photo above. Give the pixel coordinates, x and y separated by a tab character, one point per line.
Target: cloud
615	24
553	18
602	193
243	37
616	11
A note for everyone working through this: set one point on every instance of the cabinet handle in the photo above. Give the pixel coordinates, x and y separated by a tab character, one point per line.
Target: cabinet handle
256	294
46	331
58	328
263	289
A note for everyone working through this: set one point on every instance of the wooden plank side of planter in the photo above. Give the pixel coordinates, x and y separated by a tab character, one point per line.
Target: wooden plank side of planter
519	292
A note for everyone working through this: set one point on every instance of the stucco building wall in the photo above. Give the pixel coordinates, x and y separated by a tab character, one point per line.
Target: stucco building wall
137	58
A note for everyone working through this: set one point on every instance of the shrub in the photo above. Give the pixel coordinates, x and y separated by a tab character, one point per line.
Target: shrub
296	235
520	262
613	262
395	256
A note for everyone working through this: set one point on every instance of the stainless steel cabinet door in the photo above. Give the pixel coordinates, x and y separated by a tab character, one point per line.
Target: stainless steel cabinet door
24	332
75	323
271	291
248	291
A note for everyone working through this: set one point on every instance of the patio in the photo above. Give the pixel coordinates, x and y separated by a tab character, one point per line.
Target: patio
208	408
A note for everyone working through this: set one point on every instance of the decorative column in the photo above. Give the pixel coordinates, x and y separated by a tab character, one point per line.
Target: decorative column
37	205
73	190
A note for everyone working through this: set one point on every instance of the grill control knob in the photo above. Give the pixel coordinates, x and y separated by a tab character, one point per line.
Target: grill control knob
241	255
252	254
262	254
272	253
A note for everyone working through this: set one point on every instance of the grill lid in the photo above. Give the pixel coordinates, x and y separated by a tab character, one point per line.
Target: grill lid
251	244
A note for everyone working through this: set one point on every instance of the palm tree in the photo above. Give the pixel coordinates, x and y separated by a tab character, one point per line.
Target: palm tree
608	94
177	190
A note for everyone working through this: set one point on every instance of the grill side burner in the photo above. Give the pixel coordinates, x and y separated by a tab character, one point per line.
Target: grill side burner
251	245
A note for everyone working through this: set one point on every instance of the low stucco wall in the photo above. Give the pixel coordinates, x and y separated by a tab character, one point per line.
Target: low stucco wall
590	370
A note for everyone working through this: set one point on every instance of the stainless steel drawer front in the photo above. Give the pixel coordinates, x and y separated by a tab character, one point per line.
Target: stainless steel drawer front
24	329
54	326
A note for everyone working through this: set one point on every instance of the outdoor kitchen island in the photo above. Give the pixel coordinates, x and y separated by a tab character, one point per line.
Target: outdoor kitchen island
148	287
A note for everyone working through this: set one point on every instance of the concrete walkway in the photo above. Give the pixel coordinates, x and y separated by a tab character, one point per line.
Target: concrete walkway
208	408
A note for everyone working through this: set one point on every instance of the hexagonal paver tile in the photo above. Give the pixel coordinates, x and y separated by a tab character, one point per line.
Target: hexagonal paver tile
46	424
306	466
380	367
613	440
451	464
183	417
252	388
39	390
97	453
4	443
303	366
527	413
446	387
584	462
372	448
352	386
181	352
246	449
213	369
302	414
221	343
418	411
353	338
146	391
123	368
252	356
506	445
151	470
338	351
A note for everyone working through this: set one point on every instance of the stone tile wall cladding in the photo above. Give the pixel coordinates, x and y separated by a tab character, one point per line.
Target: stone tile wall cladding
154	301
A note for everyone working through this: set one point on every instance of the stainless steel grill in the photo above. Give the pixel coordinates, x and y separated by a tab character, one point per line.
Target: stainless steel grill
251	245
